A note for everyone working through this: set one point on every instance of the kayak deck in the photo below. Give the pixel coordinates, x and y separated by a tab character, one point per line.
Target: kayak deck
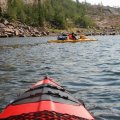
46	100
71	41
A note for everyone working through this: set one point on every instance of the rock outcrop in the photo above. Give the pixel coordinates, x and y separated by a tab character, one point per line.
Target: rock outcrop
8	29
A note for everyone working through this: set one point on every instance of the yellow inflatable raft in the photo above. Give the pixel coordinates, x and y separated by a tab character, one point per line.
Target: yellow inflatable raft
71	41
82	38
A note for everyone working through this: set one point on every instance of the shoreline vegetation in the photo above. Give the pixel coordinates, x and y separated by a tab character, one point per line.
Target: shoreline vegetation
50	18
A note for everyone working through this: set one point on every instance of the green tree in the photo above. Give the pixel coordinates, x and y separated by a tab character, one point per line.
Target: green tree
56	13
16	10
0	12
84	22
40	13
48	10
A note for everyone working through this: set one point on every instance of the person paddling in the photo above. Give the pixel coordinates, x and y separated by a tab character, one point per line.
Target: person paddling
83	37
62	36
72	36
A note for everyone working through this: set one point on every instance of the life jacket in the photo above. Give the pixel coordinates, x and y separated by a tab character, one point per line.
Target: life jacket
70	36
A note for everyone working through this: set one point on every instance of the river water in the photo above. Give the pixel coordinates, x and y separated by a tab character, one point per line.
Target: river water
89	70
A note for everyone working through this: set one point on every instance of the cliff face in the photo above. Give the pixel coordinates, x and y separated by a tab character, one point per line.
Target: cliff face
3	4
105	17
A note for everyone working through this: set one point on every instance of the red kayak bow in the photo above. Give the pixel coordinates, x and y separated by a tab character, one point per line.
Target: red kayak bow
46	100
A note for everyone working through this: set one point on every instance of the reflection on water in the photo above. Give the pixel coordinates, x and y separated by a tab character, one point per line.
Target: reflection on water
90	71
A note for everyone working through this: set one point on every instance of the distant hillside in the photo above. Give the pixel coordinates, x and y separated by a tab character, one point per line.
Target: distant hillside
61	14
104	16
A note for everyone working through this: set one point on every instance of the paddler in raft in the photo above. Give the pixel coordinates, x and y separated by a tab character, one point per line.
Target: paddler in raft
72	36
64	36
83	37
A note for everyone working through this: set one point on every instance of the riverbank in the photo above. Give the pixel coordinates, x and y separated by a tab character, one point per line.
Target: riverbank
17	29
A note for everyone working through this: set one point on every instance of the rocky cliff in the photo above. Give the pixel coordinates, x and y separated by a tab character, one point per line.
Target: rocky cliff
3	4
106	18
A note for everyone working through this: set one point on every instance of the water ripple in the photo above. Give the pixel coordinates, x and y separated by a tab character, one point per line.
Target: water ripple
90	71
